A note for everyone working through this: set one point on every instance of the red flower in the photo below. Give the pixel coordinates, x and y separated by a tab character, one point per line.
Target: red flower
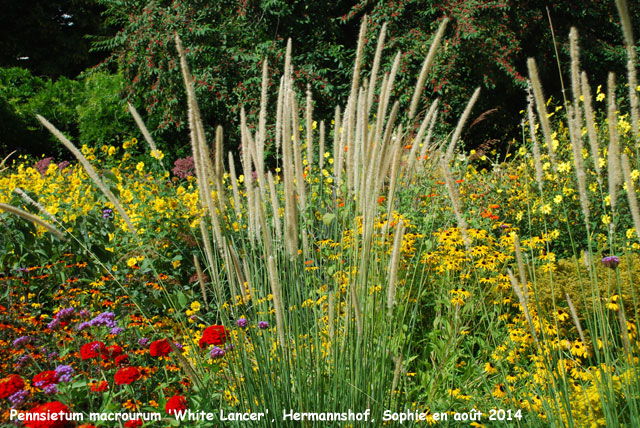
45	419
44	379
10	385
127	375
111	352
100	386
92	350
175	404
160	348
122	360
214	335
133	423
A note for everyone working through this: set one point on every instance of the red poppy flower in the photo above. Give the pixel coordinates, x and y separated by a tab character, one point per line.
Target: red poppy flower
127	375
44	379
44	419
214	335
92	350
10	385
177	403
160	348
100	386
133	423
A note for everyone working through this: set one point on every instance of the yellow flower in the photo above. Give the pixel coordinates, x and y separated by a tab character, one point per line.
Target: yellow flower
613	302
175	264
578	349
606	219
499	391
195	306
157	154
557	199
564	167
490	368
131	262
602	162
140	167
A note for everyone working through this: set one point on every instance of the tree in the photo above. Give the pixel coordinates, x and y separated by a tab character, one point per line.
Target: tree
487	44
226	42
49	37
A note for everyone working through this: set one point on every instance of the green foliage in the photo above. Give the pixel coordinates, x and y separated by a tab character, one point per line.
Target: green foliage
101	112
487	43
225	44
17	87
589	289
89	110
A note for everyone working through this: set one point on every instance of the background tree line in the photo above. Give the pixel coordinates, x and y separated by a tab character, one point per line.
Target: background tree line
78	62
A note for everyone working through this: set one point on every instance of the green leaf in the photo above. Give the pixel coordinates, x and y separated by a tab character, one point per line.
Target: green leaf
328	218
182	299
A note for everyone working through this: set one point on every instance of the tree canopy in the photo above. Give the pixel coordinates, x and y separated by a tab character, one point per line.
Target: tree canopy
486	44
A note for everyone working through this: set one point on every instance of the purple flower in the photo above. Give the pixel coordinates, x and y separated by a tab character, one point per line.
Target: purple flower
21	361
106	319
64	373
82	326
22	270
184	168
21	341
611	261
116	330
62	165
107	212
50	389
62	315
242	322
83	313
263	325
17	398
42	165
178	346
143	341
228	347
216	353
65	314
52	356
